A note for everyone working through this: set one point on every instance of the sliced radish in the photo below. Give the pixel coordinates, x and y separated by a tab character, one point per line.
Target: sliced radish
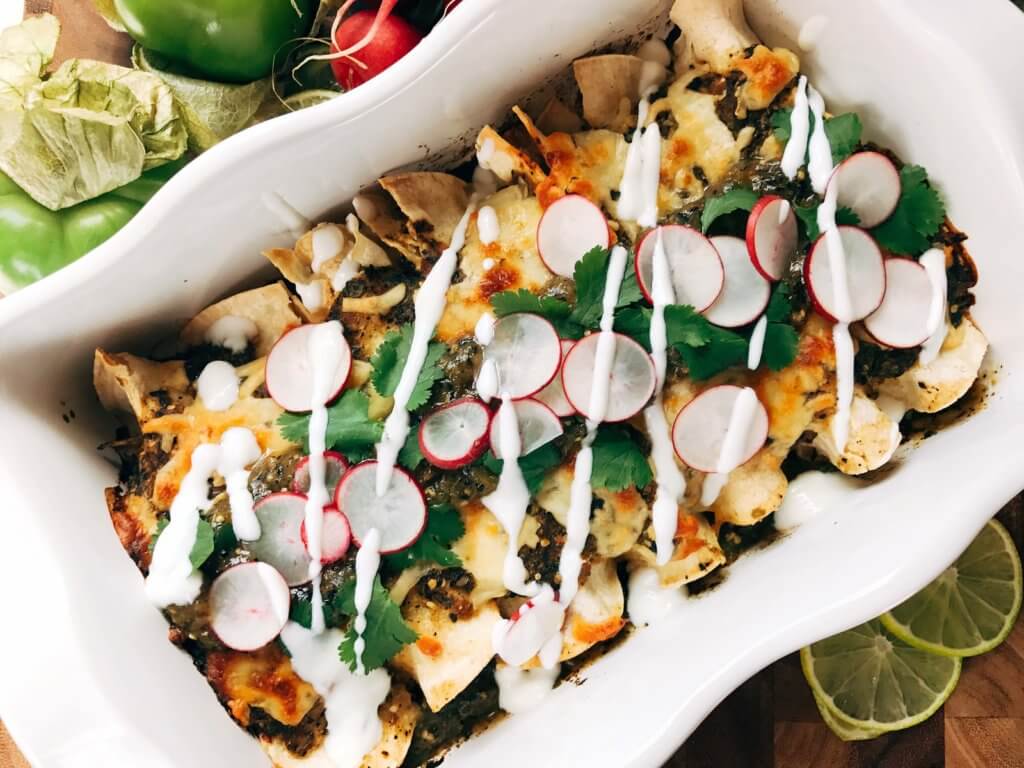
526	352
869	185
538	425
632	377
865	275
455	434
399	515
700	428
335	536
289	371
695	266
746	291
771	236
280	543
529	630
249	606
570	227
902	319
335	465
553	395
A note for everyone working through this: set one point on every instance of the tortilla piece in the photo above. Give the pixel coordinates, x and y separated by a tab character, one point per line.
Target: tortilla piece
505	160
509	263
482	551
596	613
713	30
873	437
448	655
135	521
269	307
696	552
398	715
263	679
611	86
556	116
133	385
940	383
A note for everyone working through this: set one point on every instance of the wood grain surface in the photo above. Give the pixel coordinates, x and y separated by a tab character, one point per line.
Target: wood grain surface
771	720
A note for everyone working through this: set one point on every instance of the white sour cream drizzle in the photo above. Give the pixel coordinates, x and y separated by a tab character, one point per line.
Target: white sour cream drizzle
648	601
217	386
327	243
232	332
239	449
487	225
172	580
577	524
429	306
740	421
487	378
324	349
757	343
671	483
351	700
799	127
509	501
819	163
550	649
522	690
311	294
934	263
638	190
367	563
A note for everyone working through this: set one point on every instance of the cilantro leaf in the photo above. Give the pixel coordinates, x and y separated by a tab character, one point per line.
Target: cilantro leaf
224	539
410	455
618	461
444	527
843	131
349	428
590	275
629	291
554	310
201	550
780	345
534	465
917	218
389	361
705	348
779	306
735	199
808	215
635	322
386	631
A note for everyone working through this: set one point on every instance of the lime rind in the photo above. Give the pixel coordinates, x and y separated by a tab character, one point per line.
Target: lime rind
870	681
969	609
841	727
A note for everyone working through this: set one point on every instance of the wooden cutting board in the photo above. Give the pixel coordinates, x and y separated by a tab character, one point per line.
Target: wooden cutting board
771	720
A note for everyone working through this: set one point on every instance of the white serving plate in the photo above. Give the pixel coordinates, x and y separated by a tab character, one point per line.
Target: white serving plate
87	677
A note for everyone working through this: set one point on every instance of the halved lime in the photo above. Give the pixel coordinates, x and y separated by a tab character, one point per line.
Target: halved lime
842	728
873	681
971	607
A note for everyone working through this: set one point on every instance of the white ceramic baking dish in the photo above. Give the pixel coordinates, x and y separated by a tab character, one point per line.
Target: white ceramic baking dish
88	678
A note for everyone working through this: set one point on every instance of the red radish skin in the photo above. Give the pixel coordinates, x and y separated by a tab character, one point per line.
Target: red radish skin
746	292
771	236
865	270
248	605
471	418
568	228
632	379
394	38
400	515
901	321
700	427
335	537
553	395
336	466
280	543
527	353
289	373
538	425
869	185
696	268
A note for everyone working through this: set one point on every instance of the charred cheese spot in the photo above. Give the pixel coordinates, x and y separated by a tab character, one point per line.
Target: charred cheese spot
590	634
768	72
263	679
134	521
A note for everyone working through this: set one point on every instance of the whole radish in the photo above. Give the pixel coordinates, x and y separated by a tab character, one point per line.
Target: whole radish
393	38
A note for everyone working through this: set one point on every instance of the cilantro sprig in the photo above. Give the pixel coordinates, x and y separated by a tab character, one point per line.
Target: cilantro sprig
780	338
618	461
350	430
389	361
843	131
201	549
917	218
735	199
534	465
444	528
386	631
808	216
